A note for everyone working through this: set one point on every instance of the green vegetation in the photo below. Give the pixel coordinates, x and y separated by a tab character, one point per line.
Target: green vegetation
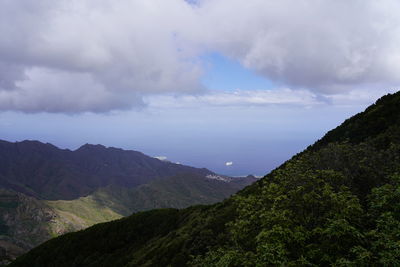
82	212
337	203
113	202
29	222
381	118
23	222
46	191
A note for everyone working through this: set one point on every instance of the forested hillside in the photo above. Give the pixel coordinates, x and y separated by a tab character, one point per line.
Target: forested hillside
336	203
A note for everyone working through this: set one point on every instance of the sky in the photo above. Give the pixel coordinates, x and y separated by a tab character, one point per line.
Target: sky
235	86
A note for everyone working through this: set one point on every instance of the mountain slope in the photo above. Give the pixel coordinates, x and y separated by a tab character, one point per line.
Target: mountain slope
179	191
47	172
40	181
337	203
26	222
380	118
23	221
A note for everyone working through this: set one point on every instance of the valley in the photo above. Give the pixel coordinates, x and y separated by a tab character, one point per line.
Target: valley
46	191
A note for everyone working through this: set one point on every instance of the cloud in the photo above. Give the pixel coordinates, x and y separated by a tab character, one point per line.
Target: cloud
278	96
60	91
74	56
162	158
228	163
320	45
81	55
234	98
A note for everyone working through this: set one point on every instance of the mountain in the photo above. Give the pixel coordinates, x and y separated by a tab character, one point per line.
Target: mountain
179	191
24	219
336	203
47	172
46	191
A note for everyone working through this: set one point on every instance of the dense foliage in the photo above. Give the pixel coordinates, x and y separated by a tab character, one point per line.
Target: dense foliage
337	203
375	120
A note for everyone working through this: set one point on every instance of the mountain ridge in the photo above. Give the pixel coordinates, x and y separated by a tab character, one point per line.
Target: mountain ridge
107	183
69	174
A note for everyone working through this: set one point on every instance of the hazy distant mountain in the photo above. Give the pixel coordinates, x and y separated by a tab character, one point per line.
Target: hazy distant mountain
46	191
47	172
335	204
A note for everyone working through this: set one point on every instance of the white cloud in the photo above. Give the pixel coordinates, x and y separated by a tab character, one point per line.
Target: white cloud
81	55
278	96
61	91
73	56
228	163
320	45
363	96
162	158
234	98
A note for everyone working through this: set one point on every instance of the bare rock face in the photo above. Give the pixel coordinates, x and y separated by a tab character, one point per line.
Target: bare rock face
24	223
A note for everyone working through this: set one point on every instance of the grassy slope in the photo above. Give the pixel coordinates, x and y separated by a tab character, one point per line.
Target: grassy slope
105	204
112	202
82	212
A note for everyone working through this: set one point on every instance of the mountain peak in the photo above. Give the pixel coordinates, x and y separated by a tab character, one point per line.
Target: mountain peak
377	118
91	147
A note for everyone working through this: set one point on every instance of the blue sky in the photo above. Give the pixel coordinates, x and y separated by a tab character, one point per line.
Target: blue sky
222	73
248	82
